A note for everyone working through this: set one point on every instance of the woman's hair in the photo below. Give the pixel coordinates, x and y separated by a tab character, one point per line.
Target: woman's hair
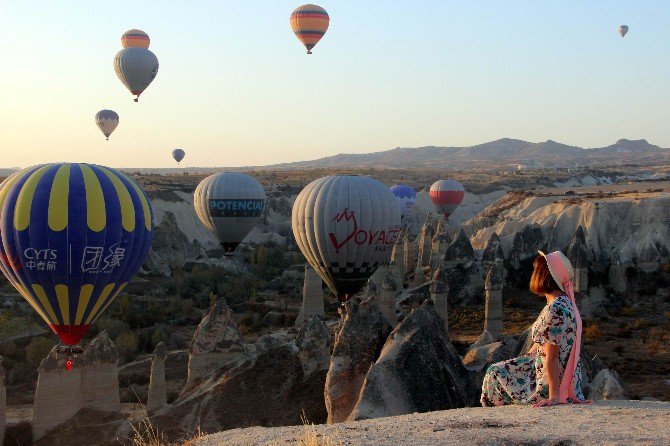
541	282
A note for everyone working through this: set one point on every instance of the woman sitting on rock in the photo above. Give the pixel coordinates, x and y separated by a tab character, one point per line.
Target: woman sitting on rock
549	373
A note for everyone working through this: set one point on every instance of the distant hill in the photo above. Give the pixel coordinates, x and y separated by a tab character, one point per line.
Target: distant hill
498	153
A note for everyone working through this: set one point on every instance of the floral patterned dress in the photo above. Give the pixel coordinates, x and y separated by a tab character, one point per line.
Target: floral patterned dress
523	380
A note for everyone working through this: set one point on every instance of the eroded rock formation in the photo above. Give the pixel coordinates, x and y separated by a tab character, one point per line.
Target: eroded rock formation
93	382
217	344
314	342
357	346
418	370
312	297
157	395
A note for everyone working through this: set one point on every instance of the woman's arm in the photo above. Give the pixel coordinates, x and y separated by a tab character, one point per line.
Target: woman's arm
551	369
533	348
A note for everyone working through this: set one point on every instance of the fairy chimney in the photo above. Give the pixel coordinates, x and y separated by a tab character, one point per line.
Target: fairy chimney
493	252
425	243
312	297
459	252
157	396
579	257
387	299
493	314
439	291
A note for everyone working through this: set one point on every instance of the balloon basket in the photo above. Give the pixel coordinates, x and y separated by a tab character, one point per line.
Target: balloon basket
68	352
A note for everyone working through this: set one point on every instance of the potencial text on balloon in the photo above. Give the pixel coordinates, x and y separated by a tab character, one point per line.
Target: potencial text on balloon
236	208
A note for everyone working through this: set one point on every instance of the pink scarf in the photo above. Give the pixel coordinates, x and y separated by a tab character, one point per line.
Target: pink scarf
567	389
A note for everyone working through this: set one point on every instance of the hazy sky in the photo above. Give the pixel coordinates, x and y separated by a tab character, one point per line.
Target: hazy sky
235	87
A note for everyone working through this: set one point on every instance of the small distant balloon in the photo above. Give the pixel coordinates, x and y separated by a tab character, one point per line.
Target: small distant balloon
107	121
406	198
623	30
309	23
135	38
178	155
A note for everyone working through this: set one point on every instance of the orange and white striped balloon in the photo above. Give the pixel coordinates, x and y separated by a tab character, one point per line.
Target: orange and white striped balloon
309	23
135	38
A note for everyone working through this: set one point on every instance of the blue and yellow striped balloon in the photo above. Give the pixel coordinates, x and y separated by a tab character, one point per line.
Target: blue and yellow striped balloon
71	237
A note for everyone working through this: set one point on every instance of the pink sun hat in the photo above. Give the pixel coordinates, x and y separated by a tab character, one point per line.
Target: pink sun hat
559	267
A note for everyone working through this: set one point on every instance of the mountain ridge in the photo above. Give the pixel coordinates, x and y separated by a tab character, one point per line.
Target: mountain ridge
503	151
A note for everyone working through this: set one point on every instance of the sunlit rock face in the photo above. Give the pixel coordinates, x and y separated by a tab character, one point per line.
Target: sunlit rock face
217	344
636	226
93	382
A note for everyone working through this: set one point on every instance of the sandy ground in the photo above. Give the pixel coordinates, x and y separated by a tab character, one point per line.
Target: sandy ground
607	423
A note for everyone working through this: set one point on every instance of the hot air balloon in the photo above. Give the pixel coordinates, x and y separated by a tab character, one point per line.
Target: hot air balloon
309	23
178	155
107	121
623	30
72	236
406	198
446	195
346	227
229	204
135	38
136	68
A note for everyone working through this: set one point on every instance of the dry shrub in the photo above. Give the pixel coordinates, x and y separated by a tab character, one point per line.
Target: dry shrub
592	333
311	438
628	311
145	434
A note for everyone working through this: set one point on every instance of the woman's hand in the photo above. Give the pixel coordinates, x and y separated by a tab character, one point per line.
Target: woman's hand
546	403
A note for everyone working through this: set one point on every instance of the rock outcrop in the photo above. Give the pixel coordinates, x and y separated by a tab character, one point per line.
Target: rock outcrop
579	257
269	388
357	345
312	297
92	382
459	253
439	293
526	244
217	344
387	298
419	276
617	275
493	311
314	342
493	253
418	370
425	243
408	253
157	395
172	245
607	386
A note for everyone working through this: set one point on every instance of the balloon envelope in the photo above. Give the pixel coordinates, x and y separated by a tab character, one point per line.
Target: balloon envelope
447	195
405	196
136	68
178	155
72	236
309	23
107	121
623	30
229	204
346	227
135	38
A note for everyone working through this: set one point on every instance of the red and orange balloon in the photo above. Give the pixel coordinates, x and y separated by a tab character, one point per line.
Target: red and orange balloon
309	23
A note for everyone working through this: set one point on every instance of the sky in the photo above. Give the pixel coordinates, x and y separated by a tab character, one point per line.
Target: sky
235	87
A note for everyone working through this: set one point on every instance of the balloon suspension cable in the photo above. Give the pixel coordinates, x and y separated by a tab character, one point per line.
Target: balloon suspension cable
137	99
69	351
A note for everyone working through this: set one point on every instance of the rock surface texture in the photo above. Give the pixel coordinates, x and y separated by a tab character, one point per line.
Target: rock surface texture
312	297
357	345
93	383
314	343
418	370
217	344
157	395
613	423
